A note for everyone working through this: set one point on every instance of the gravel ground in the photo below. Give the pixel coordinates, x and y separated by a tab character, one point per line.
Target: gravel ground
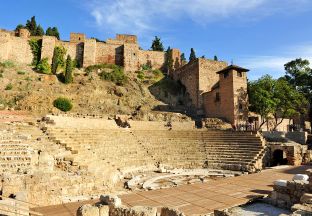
258	209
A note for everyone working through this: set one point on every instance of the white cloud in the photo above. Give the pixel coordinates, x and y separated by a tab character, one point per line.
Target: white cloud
274	64
137	16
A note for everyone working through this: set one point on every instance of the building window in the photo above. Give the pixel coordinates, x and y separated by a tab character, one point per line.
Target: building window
226	74
79	38
239	74
217	99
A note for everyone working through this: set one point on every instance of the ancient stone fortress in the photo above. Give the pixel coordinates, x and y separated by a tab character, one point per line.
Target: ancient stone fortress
65	158
215	89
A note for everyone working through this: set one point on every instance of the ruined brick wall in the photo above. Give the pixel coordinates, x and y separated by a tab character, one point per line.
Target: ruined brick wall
176	57
48	44
23	33
131	57
89	53
231	102
5	39
154	58
14	48
77	37
188	75
127	38
208	76
75	50
240	97
108	53
221	106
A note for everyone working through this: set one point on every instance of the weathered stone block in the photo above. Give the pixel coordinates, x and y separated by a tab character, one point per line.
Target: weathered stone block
300	177
110	200
88	210
306	198
170	212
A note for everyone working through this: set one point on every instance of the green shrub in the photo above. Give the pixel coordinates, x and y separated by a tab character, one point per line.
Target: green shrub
58	59
9	86
169	85
35	46
63	104
141	75
146	67
21	72
68	71
116	76
1	75
28	79
43	66
7	64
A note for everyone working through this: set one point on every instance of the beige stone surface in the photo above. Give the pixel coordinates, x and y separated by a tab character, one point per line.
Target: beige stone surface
88	210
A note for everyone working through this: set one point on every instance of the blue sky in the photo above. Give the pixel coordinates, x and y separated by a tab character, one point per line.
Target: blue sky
258	34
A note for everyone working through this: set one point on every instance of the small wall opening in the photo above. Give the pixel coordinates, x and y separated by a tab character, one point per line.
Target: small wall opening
279	158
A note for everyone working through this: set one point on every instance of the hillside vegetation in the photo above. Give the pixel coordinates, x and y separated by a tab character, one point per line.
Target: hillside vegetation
97	90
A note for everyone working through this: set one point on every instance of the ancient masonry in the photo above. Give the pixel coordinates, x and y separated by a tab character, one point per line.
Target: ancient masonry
215	89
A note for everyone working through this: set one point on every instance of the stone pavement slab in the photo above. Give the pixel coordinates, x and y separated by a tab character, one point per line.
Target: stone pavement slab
199	198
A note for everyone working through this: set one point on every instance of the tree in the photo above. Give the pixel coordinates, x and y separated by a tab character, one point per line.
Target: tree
192	55
169	60
68	71
157	44
215	58
19	26
39	31
261	97
299	75
183	59
58	58
275	99
53	32
289	102
31	25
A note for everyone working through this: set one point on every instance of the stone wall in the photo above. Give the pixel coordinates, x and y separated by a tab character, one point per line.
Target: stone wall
77	37
292	152
208	73
286	194
188	75
154	58
48	44
127	38
15	49
89	54
123	50
228	99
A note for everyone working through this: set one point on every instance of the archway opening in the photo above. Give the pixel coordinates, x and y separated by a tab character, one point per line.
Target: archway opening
279	158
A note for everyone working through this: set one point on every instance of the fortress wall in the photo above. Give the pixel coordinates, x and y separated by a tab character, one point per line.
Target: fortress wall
20	51
108	53
5	39
15	49
208	73
48	44
189	75
208	76
89	52
75	50
155	58
131	57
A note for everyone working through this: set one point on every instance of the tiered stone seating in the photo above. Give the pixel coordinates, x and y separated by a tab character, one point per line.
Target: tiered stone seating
101	148
99	144
194	148
15	153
